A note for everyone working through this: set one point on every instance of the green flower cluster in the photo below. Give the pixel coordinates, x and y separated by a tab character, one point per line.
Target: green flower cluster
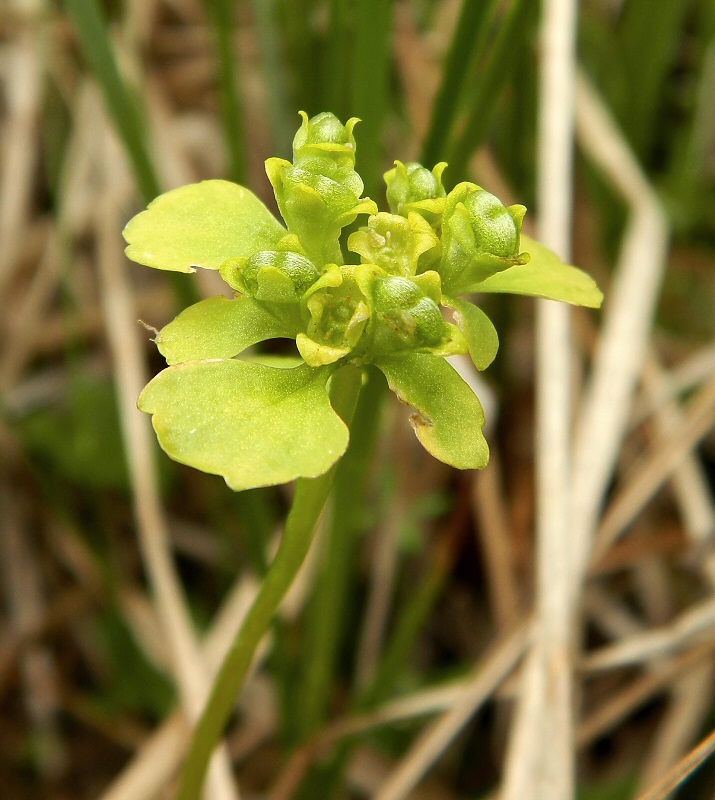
391	301
431	248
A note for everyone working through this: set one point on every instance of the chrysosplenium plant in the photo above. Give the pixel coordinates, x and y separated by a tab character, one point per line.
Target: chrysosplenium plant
383	303
380	299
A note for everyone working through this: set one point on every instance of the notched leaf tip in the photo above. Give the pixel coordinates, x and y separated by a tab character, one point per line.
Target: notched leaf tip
420	420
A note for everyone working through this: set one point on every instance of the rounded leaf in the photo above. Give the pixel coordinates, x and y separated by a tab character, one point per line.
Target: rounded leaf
255	425
481	335
546	276
220	328
449	417
201	225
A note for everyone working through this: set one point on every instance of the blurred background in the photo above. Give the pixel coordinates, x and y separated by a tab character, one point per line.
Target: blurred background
422	578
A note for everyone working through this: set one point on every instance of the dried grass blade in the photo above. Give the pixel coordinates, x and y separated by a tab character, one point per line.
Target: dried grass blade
540	764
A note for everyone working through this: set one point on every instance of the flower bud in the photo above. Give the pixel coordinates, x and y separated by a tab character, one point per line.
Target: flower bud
317	207
405	317
271	276
324	135
497	229
412	187
481	236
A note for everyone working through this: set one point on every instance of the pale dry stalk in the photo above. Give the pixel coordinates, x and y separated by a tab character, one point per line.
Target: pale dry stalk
492	522
437	736
686	712
18	158
27	608
187	665
540	762
627	318
667	455
21	337
693	625
685	767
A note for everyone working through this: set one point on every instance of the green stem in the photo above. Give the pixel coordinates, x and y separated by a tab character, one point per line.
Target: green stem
256	514
121	104
324	624
310	497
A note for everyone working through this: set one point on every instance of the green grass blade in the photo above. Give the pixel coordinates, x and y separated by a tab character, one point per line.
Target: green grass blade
650	35
336	62
326	623
302	53
468	41
281	118
512	36
121	105
412	616
123	110
370	73
221	13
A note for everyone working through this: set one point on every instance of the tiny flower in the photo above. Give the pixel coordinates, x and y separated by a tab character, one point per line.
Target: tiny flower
338	313
481	236
394	243
324	135
412	187
271	276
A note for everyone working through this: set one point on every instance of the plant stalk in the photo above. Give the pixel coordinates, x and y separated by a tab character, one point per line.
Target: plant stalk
324	630
310	497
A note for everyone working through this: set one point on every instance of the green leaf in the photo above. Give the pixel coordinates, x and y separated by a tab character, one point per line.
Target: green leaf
220	328
449	416
547	276
254	425
201	225
482	338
